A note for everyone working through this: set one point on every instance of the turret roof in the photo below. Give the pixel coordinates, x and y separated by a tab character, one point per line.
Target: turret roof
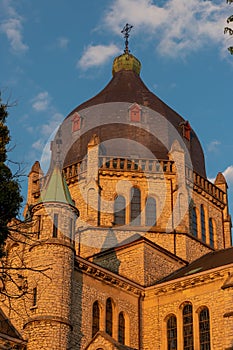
56	189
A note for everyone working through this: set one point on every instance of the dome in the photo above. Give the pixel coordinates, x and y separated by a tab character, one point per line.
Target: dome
126	89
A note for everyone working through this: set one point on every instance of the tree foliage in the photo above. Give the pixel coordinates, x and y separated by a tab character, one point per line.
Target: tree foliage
10	198
228	29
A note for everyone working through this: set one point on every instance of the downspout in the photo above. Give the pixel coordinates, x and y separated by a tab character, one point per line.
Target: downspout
223	231
141	296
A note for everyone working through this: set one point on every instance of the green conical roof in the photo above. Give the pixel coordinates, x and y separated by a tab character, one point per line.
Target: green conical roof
56	189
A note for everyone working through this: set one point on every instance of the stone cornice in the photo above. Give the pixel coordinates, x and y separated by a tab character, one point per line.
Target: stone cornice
52	241
108	277
41	318
189	281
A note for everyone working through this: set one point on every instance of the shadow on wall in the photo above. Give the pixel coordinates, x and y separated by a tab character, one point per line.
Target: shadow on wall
109	259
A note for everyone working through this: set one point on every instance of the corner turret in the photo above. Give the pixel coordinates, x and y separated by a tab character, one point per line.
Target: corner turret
53	217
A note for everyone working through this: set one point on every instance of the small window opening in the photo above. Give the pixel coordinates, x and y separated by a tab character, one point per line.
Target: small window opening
38	226
55	225
34	296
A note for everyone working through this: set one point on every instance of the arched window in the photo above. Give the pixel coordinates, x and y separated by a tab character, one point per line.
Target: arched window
150	211
211	232
204	329
121	328
172	333
119	210
194	222
109	316
203	226
188	327
95	318
135	212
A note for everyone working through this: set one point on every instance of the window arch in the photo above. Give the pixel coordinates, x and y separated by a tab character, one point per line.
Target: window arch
172	333
135	209
150	211
211	232
194	222
121	328
95	318
188	327
109	316
204	329
203	224
119	210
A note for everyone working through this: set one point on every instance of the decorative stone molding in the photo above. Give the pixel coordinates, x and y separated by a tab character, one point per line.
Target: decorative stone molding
108	277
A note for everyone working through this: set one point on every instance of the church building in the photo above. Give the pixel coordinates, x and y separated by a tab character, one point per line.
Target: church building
126	244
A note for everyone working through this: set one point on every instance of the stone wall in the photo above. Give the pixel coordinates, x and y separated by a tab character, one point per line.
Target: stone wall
87	290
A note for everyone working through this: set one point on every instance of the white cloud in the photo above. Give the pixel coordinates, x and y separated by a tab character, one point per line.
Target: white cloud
63	42
213	146
48	128
41	101
12	27
179	26
228	173
38	145
97	55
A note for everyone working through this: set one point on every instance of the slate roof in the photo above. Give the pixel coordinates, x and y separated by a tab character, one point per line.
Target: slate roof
6	327
207	262
9	335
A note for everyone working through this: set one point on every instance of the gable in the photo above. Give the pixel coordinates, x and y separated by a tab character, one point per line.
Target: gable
103	341
141	261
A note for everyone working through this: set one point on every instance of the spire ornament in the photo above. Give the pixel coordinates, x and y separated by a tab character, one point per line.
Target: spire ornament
126	30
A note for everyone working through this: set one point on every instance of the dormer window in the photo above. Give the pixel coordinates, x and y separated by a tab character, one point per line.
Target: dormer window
135	113
186	130
76	122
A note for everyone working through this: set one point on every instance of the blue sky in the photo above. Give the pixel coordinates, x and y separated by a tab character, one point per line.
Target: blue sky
55	54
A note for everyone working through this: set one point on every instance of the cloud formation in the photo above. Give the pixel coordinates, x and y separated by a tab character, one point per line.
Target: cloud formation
48	128
96	55
213	146
63	42
228	173
12	27
41	101
179	26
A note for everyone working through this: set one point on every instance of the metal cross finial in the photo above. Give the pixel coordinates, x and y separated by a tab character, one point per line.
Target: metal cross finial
127	28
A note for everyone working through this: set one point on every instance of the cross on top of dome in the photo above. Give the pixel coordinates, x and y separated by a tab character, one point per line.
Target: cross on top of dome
126	30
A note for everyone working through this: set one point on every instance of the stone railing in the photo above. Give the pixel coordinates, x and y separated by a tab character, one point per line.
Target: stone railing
204	184
75	171
136	165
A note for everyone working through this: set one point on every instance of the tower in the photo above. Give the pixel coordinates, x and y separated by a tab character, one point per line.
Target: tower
54	216
150	263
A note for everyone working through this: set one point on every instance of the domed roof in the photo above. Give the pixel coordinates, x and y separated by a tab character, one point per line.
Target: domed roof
126	86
